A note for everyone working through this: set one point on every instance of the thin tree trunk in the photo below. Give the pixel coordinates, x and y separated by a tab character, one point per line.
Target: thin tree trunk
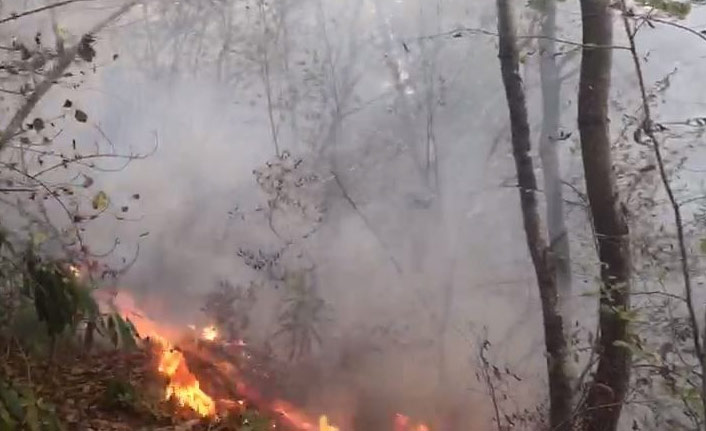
607	392
88	337
560	409
266	76
551	116
649	129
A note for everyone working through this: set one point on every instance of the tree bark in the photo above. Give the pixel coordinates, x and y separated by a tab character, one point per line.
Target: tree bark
560	409
607	391
551	117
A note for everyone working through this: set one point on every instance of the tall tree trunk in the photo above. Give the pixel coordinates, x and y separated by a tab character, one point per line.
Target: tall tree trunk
560	410
551	118
607	392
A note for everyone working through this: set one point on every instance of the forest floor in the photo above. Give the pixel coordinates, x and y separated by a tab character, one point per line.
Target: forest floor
106	391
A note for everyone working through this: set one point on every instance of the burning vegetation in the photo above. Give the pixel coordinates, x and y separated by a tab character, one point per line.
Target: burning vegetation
207	375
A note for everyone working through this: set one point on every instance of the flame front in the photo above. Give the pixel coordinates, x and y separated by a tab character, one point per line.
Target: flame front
182	384
184	387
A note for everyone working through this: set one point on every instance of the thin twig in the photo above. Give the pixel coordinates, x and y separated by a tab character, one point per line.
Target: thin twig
657	292
15	16
485	365
696	33
52	195
15	125
469	30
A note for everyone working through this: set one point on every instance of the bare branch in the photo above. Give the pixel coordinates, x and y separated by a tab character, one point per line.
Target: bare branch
39	9
459	32
15	124
650	18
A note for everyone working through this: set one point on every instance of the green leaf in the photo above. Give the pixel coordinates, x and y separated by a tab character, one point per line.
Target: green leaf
38	238
112	332
6	421
127	336
11	399
628	315
85	302
625	344
702	245
100	201
676	8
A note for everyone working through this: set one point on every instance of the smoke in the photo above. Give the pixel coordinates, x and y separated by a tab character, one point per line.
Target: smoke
412	260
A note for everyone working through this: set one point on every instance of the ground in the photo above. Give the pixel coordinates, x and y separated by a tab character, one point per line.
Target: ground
106	391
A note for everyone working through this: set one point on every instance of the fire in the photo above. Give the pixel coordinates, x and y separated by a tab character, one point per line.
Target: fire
75	270
324	425
209	333
291	415
184	387
182	384
403	423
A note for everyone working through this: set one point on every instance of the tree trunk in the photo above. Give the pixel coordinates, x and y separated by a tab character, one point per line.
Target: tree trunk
556	345
607	392
551	118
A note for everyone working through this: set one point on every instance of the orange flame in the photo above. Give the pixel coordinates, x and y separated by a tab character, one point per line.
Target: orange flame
324	425
182	384
185	388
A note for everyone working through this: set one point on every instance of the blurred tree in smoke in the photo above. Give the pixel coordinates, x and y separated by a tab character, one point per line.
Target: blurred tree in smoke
229	307
301	316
